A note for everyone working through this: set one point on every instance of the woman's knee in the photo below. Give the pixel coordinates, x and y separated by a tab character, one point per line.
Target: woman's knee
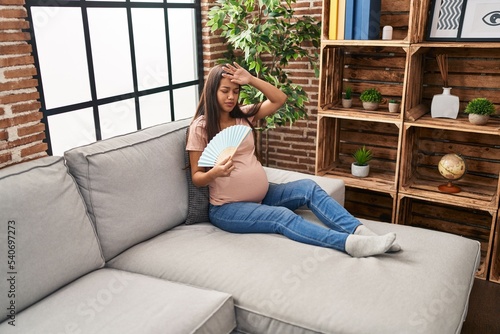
307	184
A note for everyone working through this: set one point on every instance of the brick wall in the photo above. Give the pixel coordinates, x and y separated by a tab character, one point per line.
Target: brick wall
21	132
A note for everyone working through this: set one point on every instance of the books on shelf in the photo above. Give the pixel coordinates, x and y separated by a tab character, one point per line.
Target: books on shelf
341	19
349	20
354	19
332	28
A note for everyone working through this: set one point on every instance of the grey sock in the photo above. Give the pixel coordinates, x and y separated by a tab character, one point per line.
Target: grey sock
361	246
363	230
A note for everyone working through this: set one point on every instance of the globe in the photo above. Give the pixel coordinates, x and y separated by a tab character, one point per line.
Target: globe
452	167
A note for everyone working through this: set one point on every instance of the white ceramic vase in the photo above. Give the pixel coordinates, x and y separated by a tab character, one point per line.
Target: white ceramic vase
445	105
360	171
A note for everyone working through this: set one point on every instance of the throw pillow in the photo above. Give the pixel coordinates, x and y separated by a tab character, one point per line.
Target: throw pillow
198	198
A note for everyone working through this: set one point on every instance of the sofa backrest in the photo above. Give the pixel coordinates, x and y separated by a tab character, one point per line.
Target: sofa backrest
47	239
134	185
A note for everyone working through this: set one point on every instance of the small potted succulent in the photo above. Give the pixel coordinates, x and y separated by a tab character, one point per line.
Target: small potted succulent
393	106
347	98
479	110
371	98
360	166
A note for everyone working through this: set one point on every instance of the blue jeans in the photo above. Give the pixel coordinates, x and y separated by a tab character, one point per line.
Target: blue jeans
276	215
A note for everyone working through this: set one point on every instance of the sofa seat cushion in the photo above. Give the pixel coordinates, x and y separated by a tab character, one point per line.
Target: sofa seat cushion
110	301
134	185
281	286
47	239
333	186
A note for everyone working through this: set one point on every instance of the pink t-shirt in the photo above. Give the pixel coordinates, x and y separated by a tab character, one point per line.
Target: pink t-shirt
247	182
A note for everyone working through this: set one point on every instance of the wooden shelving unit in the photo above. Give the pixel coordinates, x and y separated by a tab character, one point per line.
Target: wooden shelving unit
407	146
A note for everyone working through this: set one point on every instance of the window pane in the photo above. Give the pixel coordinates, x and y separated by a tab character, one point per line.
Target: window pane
155	109
150	47
65	77
147	1
117	118
180	1
110	51
185	102
71	130
183	44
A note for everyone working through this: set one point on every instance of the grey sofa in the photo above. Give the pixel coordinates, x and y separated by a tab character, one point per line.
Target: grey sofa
96	242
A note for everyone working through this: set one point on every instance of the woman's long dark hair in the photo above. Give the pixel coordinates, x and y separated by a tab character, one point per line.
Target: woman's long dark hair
209	106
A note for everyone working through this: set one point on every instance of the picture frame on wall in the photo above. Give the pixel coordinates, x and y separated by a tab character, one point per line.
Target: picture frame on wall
481	20
445	19
464	20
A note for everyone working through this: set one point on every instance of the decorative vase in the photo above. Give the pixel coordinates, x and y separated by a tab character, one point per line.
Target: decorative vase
370	106
393	107
346	103
360	171
445	105
477	119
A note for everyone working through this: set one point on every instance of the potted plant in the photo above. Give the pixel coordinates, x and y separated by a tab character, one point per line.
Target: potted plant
393	105
347	98
479	110
371	98
360	166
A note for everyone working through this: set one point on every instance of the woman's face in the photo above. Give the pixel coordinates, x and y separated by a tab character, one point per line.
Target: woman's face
227	94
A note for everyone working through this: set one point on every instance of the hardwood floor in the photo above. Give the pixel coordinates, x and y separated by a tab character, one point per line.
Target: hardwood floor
483	316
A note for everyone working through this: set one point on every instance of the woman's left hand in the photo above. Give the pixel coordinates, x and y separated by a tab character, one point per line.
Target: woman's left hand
237	74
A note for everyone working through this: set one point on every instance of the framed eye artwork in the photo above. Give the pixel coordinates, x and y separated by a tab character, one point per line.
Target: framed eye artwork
464	20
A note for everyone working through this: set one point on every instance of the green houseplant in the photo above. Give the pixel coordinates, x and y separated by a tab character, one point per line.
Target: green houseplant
264	36
347	98
360	167
371	98
479	110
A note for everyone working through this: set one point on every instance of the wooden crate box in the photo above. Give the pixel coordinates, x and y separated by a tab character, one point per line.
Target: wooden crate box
339	138
495	256
474	224
370	204
423	149
380	67
472	73
395	13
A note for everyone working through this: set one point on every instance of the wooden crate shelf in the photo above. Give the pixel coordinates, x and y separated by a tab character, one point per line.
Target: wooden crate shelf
371	205
338	139
396	13
362	67
472	72
461	123
424	147
474	224
495	256
404	179
361	114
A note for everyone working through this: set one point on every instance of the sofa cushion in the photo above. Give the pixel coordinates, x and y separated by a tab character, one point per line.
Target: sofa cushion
282	286
45	231
198	197
110	301
333	186
134	185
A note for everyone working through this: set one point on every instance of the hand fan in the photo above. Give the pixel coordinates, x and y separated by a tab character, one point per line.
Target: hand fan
223	145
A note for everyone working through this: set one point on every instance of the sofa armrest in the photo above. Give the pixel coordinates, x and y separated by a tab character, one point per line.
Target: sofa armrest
334	187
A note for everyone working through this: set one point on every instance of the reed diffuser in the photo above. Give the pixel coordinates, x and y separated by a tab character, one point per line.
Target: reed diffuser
444	105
